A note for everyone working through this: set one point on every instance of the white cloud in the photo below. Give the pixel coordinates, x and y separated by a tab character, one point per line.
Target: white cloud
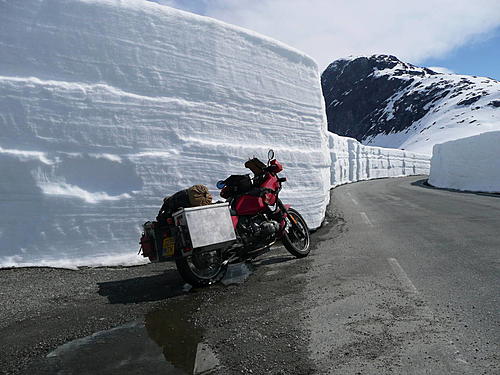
329	29
441	69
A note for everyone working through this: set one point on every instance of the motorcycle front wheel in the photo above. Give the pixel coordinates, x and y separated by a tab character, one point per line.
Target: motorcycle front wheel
296	240
201	268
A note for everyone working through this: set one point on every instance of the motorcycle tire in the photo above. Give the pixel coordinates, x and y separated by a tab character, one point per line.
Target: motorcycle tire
201	269
297	239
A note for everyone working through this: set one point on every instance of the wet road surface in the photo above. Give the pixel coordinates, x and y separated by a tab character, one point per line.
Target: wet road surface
402	280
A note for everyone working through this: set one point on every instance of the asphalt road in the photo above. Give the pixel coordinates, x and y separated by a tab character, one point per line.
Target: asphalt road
417	273
402	279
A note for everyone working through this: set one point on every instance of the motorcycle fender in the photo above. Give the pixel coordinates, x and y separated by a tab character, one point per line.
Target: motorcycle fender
287	220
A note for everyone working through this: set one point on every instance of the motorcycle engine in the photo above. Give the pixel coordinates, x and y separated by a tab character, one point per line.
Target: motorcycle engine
258	226
265	228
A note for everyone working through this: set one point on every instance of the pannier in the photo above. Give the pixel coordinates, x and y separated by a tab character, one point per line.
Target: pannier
205	227
157	242
148	247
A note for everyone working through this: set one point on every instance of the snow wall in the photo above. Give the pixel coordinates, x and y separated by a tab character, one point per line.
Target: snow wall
108	106
471	163
352	161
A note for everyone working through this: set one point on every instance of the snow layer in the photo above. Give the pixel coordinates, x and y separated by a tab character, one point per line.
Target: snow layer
107	106
471	163
352	161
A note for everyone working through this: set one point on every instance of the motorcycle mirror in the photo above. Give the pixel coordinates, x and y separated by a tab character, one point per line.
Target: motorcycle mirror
221	184
270	154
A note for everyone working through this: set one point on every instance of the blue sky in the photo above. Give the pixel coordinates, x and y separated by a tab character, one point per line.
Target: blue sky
480	57
462	36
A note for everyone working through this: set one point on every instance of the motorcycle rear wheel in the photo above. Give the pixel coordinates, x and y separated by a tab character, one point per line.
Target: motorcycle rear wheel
297	239
201	269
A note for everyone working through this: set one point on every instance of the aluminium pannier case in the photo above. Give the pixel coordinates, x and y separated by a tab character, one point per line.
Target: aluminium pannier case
206	227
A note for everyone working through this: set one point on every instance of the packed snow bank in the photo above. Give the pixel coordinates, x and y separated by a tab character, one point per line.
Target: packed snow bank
352	161
471	163
108	106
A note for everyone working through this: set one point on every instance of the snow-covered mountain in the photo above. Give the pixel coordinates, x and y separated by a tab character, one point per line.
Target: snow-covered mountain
385	102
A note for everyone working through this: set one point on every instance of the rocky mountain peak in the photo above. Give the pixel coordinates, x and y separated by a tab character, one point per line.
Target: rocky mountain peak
364	66
368	98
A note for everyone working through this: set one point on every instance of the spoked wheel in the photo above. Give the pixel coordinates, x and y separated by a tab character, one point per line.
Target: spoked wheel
297	240
201	268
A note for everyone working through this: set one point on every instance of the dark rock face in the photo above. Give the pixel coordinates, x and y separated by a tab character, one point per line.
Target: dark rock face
368	96
354	97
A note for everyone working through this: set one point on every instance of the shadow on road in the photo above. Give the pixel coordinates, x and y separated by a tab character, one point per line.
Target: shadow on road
424	183
144	289
169	284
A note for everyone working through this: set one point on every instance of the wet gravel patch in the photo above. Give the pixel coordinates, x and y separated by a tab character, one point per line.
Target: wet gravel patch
255	323
43	308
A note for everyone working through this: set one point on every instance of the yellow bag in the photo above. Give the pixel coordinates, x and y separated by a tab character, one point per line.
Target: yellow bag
199	196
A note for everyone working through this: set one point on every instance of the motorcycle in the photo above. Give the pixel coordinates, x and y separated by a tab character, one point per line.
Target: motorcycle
204	240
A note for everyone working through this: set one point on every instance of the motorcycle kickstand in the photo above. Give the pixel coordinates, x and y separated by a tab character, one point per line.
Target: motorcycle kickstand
230	259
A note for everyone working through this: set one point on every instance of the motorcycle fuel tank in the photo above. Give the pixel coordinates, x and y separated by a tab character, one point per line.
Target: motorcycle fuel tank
249	205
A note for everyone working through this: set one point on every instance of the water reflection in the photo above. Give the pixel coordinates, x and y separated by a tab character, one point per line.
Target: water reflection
174	332
125	349
167	342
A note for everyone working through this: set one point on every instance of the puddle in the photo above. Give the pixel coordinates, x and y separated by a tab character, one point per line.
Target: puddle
237	273
181	341
176	336
126	349
166	342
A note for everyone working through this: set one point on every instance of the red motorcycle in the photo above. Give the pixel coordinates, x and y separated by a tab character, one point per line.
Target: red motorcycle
204	240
